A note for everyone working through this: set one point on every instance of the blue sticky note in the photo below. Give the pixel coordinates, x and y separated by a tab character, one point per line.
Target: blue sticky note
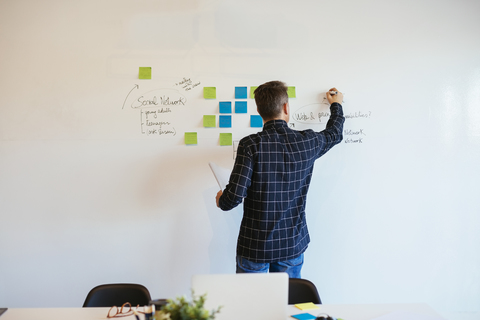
240	106
304	316
256	121
225	121
225	107
241	93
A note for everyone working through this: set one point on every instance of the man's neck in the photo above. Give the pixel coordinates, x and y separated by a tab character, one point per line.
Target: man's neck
284	117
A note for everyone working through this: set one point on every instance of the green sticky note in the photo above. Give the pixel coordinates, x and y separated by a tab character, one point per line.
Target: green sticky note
291	92
252	90
226	139
210	92
190	138
145	73
209	121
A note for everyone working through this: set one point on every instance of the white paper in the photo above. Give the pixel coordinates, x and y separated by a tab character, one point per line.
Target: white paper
221	174
406	315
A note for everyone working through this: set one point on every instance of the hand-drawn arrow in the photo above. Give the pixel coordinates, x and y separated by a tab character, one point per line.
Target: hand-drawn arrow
136	86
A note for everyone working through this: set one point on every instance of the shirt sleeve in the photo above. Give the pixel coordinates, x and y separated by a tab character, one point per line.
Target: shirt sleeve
239	182
333	133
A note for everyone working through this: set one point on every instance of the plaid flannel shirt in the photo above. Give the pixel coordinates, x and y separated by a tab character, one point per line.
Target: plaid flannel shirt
272	174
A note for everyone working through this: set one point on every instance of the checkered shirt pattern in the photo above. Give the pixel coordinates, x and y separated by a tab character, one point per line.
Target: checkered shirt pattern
272	173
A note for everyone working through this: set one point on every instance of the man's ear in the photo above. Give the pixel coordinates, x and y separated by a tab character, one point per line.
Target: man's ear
286	108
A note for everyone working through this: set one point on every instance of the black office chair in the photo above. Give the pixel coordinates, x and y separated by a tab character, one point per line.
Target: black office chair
116	294
302	291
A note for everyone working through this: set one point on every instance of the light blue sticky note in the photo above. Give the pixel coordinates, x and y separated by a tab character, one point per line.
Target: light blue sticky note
241	93
225	107
225	121
256	121
240	106
304	316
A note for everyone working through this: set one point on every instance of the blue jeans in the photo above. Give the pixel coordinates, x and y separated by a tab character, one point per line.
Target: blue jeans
292	267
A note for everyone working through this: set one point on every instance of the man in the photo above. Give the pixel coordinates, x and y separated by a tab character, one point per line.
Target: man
272	173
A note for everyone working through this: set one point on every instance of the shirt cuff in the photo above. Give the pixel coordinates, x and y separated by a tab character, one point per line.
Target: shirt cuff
336	108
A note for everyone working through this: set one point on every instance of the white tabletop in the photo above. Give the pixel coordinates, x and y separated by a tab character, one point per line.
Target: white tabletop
346	312
368	311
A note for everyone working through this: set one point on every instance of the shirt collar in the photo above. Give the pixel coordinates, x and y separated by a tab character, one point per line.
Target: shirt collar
275	123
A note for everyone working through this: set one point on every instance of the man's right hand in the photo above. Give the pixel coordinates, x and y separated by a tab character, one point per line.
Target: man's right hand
334	97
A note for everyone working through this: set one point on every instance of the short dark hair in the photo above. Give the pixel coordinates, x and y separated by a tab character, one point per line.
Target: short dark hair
270	98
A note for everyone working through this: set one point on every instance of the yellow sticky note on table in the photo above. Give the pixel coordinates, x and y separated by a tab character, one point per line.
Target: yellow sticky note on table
209	121
225	139
145	73
291	92
210	92
306	306
190	138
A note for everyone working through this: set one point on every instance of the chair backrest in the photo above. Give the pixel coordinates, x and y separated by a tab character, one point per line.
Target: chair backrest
116	294
302	291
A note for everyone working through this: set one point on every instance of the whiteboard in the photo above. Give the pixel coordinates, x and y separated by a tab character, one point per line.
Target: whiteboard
98	186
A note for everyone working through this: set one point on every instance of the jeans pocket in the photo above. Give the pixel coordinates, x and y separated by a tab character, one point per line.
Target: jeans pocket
250	266
293	262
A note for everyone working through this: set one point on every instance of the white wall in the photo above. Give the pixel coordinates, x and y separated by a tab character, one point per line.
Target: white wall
86	198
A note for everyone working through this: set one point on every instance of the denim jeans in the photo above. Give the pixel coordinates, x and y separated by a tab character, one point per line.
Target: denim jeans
292	267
